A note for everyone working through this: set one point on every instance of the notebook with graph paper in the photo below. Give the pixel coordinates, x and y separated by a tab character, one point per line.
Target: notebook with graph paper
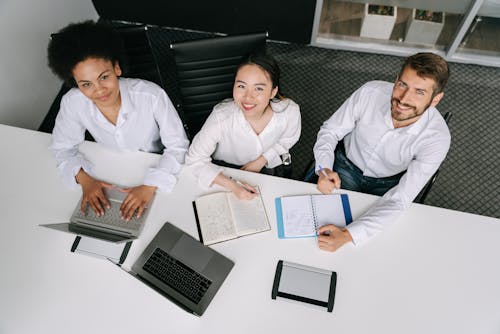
301	216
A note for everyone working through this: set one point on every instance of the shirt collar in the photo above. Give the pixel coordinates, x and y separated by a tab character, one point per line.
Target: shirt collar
278	105
413	128
388	115
126	107
421	123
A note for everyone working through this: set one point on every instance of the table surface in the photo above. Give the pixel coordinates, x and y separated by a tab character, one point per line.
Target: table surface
434	271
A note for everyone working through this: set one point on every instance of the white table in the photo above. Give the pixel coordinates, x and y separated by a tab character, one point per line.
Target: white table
435	271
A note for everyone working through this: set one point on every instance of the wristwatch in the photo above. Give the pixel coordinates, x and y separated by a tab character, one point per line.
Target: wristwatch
286	158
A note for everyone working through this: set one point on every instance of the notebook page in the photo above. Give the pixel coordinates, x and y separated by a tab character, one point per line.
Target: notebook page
249	215
329	210
215	218
297	216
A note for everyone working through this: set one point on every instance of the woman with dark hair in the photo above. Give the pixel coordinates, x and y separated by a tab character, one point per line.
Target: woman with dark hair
121	114
252	130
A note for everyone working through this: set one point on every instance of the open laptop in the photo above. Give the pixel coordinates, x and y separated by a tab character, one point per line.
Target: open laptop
109	227
182	269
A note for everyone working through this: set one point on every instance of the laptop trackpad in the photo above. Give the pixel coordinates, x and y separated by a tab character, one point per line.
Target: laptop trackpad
192	253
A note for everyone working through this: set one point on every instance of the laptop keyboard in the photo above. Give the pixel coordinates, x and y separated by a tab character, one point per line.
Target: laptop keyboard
177	275
111	217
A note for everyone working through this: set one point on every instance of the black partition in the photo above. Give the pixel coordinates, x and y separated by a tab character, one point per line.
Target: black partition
284	20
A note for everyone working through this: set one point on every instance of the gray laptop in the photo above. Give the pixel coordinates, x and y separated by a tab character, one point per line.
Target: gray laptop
109	227
182	269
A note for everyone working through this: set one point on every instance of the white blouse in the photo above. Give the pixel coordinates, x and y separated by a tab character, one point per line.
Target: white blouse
380	150
147	121
226	135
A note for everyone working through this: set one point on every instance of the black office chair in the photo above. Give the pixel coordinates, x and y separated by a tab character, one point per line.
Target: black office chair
140	63
309	174
205	73
422	195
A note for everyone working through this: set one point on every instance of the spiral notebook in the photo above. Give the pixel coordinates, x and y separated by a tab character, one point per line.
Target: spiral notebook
301	216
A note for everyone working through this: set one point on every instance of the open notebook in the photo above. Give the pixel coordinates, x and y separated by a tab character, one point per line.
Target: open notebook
301	216
222	216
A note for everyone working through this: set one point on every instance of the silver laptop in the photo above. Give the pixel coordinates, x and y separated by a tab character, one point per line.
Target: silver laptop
182	269
109	227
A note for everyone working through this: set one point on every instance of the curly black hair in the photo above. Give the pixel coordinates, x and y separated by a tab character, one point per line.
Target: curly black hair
80	41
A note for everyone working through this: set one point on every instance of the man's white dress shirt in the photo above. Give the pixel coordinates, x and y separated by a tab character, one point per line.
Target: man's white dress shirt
380	150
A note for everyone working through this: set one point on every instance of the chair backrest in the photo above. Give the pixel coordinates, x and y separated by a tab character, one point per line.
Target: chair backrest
205	73
140	63
422	195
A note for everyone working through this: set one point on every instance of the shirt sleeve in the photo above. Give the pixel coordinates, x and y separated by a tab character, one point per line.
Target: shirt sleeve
67	135
335	128
201	150
174	139
290	136
389	207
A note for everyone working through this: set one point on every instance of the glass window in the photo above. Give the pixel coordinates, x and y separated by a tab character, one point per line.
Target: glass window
482	36
416	27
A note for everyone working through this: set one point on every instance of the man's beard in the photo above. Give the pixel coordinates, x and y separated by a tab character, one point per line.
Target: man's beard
400	117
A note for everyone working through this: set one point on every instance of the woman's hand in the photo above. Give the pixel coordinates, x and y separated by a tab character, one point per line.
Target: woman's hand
256	165
242	190
136	200
92	193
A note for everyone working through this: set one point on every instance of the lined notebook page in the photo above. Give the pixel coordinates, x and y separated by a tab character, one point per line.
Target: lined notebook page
249	215
215	217
298	218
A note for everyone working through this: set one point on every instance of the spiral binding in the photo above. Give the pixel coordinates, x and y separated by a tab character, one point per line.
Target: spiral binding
314	215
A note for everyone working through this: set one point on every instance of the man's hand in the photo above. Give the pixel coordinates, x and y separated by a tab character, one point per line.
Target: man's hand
136	200
331	237
256	165
92	193
328	181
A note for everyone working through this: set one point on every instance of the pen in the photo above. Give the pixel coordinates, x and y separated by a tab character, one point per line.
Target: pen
238	182
322	171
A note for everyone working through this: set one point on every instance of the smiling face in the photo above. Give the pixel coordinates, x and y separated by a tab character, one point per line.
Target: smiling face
252	90
411	96
97	79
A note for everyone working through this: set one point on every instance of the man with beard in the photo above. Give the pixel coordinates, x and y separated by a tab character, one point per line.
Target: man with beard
394	140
